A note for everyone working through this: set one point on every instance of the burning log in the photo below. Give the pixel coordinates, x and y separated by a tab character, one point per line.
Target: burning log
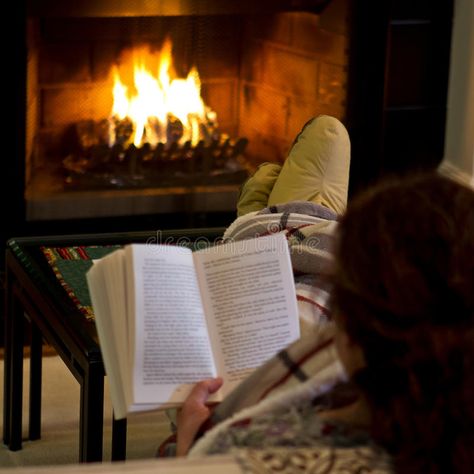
122	129
90	133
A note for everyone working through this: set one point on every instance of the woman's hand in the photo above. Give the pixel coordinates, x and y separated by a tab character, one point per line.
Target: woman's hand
194	413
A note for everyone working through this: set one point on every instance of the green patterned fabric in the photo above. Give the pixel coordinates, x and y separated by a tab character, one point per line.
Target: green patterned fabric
70	265
73	273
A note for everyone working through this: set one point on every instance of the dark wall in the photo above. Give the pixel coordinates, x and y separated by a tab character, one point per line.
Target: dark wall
397	100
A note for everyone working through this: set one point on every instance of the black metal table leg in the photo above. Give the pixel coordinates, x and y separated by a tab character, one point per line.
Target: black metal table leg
92	414
119	439
34	428
7	359
16	377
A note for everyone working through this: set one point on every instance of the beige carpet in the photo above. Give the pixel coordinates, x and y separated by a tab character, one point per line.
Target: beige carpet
60	423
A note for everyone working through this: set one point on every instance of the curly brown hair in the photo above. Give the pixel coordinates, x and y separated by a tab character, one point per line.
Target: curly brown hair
404	290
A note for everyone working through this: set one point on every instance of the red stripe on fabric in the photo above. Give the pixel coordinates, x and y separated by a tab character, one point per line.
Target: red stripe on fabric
288	229
299	362
82	252
314	303
64	253
293	229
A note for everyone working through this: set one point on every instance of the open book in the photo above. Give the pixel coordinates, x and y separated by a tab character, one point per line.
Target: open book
168	317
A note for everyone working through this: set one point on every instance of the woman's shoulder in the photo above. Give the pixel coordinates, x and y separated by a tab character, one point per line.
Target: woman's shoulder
297	425
323	459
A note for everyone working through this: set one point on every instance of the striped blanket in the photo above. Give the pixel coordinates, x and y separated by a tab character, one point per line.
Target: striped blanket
307	368
310	366
309	229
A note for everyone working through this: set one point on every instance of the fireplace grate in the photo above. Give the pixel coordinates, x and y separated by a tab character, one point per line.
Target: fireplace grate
99	166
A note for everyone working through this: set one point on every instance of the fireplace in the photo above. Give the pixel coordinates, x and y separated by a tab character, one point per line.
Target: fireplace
264	68
262	71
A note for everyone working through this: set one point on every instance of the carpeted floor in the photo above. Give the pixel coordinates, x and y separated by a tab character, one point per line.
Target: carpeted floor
60	423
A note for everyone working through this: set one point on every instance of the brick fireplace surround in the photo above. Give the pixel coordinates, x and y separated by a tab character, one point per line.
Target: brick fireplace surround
266	67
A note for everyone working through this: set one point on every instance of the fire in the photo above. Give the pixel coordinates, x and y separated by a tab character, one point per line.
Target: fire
155	102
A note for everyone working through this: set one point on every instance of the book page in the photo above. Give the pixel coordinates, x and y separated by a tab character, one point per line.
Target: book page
108	324
115	285
250	301
171	344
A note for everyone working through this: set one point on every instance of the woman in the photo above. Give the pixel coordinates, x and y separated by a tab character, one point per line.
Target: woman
406	298
403	302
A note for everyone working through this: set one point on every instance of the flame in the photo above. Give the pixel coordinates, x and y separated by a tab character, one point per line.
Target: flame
152	99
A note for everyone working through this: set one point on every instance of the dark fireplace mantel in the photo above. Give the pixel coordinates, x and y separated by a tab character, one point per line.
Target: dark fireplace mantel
127	8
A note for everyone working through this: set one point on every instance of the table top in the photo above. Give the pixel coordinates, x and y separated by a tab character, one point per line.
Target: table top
64	306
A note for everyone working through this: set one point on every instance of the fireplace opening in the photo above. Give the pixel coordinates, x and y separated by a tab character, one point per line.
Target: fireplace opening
138	112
